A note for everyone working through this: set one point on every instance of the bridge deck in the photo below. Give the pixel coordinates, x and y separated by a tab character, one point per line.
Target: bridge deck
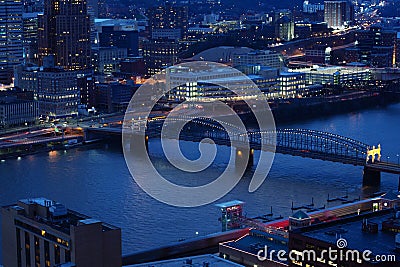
296	142
385	167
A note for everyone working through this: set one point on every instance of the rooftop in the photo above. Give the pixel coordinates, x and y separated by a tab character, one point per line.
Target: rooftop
257	240
196	261
53	214
382	242
9	100
259	52
229	204
290	74
301	215
332	70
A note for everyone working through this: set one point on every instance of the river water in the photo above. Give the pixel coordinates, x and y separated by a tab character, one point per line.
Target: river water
95	181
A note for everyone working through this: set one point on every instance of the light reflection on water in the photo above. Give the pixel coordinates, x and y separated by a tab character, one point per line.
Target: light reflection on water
97	182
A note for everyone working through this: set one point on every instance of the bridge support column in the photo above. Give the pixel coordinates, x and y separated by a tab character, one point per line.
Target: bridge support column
244	158
136	141
398	187
371	177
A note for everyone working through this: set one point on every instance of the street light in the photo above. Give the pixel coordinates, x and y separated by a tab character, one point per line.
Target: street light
398	159
388	159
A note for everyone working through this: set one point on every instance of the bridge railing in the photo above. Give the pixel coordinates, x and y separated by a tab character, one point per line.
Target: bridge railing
305	142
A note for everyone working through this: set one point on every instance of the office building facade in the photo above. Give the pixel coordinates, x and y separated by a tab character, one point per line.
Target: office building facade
120	37
291	84
114	96
159	54
169	21
11	33
57	91
338	13
64	31
107	59
376	46
30	37
259	57
16	112
42	232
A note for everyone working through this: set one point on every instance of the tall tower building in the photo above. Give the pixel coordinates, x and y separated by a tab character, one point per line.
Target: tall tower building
168	25
168	21
159	54
64	31
11	30
30	37
338	13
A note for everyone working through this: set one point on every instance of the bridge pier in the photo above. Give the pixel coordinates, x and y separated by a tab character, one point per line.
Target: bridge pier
398	187
244	158
136	140
371	177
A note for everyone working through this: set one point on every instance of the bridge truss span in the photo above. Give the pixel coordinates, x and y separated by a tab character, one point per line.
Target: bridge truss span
298	142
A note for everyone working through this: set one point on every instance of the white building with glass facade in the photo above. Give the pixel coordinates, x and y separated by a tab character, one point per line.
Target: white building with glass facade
291	84
259	57
335	75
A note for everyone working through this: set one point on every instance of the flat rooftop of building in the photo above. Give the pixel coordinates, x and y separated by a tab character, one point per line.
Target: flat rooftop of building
290	74
212	260
10	100
256	240
205	72
71	217
259	52
229	204
382	242
332	70
240	78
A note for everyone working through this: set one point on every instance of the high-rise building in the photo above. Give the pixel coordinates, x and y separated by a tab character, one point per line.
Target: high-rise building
159	54
284	29
102	9
282	13
10	38
312	7
64	31
59	92
168	25
86	87
284	25
107	59
93	8
33	6
120	37
30	37
376	46
338	13
42	232
168	21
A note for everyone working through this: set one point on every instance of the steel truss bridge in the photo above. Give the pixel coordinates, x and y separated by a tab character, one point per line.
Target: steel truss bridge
297	142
